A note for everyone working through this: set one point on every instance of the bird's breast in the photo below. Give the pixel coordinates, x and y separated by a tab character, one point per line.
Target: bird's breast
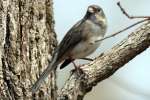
90	33
92	30
84	48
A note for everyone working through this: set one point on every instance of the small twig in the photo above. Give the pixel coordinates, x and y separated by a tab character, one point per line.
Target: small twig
89	59
130	17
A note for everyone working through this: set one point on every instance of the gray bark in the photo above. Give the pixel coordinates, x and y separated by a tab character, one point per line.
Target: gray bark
27	39
106	64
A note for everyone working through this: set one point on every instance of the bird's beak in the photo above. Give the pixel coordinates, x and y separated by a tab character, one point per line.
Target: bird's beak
91	10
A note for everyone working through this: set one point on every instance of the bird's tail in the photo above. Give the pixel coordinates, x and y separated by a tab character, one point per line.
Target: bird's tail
46	72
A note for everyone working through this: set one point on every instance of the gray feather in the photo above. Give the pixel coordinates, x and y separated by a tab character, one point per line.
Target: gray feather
71	39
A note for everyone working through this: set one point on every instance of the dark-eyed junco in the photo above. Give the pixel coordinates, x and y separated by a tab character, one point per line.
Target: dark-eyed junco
79	42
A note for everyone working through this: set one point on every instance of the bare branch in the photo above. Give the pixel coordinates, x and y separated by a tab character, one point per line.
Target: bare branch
131	17
107	64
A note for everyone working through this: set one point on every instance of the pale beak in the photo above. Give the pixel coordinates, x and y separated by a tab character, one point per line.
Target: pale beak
91	10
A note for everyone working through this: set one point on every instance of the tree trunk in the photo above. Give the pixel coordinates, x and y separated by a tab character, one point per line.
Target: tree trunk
27	39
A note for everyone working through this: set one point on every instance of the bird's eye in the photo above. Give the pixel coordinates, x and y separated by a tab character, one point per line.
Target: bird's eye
98	10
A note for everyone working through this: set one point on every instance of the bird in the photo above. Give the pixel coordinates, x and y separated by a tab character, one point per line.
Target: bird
79	42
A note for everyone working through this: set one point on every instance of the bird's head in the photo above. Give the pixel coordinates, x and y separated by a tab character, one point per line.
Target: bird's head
93	9
95	13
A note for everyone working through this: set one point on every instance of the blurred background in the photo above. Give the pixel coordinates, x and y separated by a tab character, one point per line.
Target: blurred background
130	82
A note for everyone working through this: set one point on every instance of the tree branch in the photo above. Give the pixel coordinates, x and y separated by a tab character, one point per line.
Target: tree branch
106	64
129	16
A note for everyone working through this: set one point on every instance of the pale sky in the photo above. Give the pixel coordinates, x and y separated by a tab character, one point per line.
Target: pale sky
130	82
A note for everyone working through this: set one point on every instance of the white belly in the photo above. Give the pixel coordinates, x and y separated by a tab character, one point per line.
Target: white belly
84	49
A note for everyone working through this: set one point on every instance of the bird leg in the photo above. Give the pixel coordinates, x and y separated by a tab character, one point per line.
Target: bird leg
77	68
74	64
79	72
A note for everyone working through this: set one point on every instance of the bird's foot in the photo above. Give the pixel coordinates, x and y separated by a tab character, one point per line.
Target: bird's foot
79	73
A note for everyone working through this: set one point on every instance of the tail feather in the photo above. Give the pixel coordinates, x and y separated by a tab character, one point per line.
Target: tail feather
46	72
65	63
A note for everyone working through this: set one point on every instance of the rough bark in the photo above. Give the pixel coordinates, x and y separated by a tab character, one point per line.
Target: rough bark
27	38
106	64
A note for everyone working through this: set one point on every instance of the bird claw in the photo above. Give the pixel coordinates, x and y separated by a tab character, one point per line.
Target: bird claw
78	72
